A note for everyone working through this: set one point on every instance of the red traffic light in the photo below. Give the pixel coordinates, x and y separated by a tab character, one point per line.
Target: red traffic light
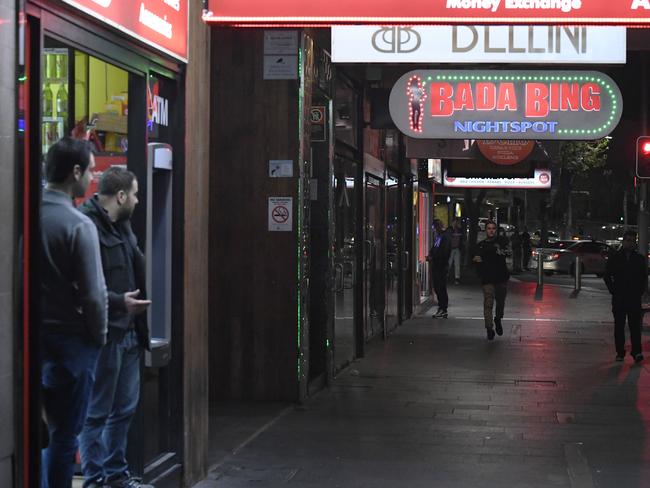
643	157
645	148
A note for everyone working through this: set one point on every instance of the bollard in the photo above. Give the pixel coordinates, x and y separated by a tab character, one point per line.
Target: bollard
578	274
539	292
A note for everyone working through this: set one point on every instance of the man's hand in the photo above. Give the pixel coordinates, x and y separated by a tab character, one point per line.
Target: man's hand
477	259
133	305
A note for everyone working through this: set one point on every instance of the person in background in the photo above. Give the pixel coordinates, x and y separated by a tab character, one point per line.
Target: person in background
116	391
490	259
73	306
626	279
439	259
457	238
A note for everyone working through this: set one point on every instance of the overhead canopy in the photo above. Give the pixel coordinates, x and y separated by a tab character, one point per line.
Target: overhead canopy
385	12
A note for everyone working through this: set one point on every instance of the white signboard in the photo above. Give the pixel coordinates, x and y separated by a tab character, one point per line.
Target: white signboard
280	214
281	67
541	180
280	168
280	42
478	44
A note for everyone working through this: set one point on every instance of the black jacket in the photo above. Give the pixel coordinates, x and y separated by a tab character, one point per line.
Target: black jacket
441	250
115	241
626	276
492	268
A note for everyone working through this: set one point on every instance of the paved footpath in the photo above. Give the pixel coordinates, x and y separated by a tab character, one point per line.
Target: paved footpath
439	406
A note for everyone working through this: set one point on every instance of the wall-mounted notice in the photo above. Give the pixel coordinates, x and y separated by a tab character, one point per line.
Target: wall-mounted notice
280	214
280	168
280	55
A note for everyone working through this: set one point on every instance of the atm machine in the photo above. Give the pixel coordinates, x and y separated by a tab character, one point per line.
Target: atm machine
159	252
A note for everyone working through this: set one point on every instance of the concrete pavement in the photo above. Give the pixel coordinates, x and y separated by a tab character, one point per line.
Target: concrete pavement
437	405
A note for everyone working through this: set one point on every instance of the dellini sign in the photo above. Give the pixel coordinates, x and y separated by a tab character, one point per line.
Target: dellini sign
454	104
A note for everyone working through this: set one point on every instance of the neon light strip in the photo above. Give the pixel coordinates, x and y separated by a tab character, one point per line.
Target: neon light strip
328	21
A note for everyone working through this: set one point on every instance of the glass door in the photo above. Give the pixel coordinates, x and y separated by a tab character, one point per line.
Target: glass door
374	258
345	261
393	248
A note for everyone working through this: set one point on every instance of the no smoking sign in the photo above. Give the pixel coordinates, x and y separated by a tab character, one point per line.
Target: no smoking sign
280	214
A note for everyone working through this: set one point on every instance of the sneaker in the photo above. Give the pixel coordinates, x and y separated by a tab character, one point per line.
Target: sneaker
638	358
497	325
98	483
440	314
456	281
128	482
619	358
490	334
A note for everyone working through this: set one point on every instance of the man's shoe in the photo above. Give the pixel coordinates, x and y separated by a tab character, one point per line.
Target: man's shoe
619	358
440	314
490	334
497	325
638	358
128	482
98	483
456	281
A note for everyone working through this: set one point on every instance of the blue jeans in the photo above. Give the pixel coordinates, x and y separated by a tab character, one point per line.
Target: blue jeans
112	406
67	376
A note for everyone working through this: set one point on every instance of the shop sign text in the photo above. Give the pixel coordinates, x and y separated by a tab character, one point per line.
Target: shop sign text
438	104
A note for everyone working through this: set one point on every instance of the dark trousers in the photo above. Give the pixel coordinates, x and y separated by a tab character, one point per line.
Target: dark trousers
494	292
67	377
440	285
631	311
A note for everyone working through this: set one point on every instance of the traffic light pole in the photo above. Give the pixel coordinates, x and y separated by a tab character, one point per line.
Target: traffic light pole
643	220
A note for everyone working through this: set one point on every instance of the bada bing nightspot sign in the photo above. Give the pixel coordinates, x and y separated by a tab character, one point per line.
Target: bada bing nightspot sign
464	104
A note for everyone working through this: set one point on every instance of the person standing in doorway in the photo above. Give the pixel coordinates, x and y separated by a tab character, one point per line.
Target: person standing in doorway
626	279
73	306
490	258
439	258
457	242
117	387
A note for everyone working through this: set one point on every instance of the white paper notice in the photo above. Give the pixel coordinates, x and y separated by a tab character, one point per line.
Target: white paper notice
280	214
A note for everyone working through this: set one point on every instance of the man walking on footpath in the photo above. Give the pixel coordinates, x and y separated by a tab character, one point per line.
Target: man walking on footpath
457	242
490	259
626	279
439	258
116	391
73	306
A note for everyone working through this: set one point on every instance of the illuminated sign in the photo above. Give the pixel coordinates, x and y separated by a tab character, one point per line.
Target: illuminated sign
478	44
474	104
540	180
385	12
505	152
161	24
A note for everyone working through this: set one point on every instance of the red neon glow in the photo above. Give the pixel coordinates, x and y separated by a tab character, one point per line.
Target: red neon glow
645	148
416	94
298	12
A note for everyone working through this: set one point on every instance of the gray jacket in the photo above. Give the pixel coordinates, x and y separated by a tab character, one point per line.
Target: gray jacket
73	291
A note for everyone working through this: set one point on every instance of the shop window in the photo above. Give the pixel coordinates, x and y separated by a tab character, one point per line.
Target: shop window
86	98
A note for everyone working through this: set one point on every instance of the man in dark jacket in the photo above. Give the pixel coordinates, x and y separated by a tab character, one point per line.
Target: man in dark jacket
115	394
490	259
626	279
73	305
439	259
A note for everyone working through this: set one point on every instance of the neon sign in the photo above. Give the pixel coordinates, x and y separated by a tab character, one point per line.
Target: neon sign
455	104
387	12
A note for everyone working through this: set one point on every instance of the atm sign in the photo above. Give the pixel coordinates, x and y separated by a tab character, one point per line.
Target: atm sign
506	104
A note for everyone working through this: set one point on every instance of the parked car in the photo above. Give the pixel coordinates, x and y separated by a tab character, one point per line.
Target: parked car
560	257
552	236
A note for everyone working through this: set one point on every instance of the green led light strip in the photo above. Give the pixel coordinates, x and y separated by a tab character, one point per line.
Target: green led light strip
603	84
